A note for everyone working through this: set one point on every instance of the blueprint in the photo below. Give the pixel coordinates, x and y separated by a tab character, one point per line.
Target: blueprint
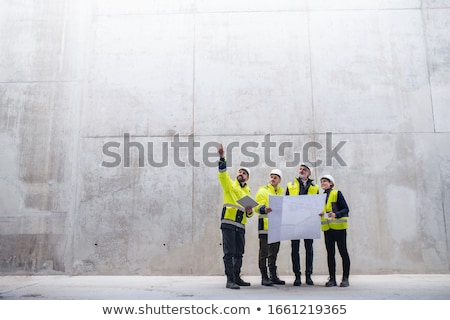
295	217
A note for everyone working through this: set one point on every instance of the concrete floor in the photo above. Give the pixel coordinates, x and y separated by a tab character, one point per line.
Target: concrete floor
362	287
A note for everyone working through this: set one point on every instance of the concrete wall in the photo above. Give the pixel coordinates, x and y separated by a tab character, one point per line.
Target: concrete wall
367	79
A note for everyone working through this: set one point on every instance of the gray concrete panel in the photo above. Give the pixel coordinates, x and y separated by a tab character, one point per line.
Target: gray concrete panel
36	184
249	5
37	135
149	86
132	219
436	3
11	194
32	253
33	242
444	169
252	62
438	45
142	7
33	42
383	82
363	4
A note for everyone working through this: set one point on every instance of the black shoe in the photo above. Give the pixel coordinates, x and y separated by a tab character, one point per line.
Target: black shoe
232	285
309	281
344	283
240	282
331	283
266	282
298	280
274	276
277	280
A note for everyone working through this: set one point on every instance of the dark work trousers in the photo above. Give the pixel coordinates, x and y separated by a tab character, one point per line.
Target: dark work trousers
233	241
339	237
267	253
295	255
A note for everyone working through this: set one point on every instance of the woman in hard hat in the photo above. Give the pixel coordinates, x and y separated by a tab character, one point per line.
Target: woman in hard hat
334	226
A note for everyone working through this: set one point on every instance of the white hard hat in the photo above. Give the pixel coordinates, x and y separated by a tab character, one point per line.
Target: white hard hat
307	166
328	177
277	172
245	169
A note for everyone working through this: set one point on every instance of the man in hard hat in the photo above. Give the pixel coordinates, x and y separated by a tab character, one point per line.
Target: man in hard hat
233	221
300	186
334	226
268	252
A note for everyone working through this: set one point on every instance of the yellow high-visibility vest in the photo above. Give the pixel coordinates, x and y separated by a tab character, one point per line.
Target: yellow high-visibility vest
262	197
294	188
332	223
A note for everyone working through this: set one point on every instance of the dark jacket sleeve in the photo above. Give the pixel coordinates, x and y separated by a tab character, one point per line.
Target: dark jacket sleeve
222	165
342	207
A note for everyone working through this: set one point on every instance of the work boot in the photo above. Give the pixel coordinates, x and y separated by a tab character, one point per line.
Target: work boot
230	284
344	282
240	282
331	282
265	281
274	278
277	280
298	280
309	280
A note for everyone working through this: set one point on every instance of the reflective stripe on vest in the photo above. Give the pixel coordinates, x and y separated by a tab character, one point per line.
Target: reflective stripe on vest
231	215
233	223
332	223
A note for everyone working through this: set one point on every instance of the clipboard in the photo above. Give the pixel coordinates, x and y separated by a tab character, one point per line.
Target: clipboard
247	201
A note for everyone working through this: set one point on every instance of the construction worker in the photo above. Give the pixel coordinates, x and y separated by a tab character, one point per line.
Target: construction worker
334	227
233	221
300	186
268	252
